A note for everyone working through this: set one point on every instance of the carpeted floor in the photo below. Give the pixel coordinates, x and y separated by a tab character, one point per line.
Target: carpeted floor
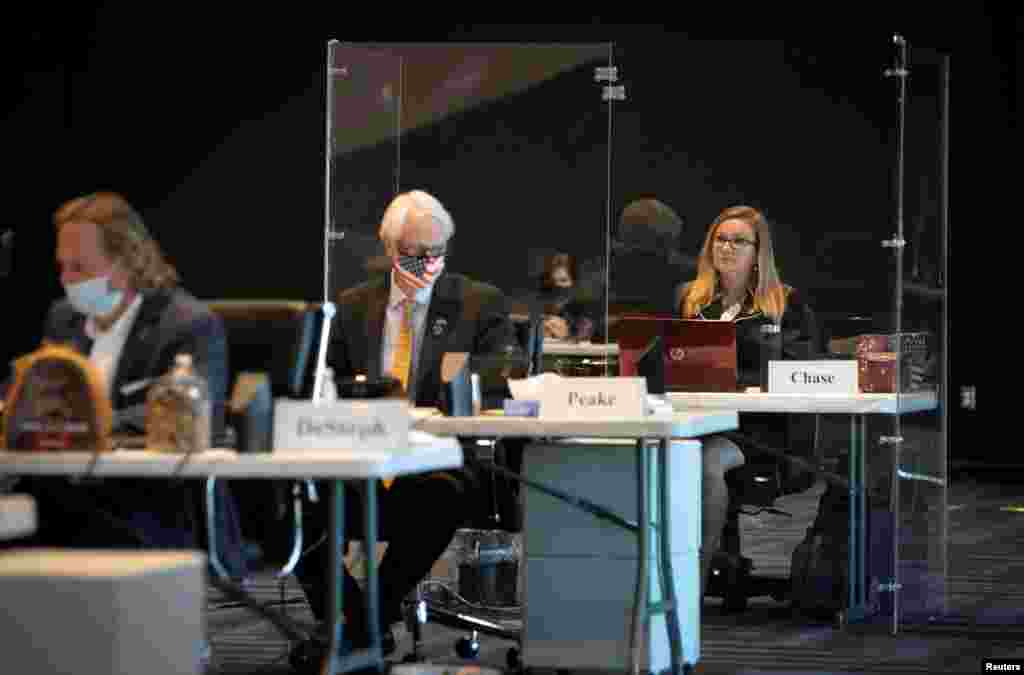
984	615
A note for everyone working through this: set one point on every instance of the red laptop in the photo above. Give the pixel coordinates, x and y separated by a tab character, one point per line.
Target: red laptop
699	355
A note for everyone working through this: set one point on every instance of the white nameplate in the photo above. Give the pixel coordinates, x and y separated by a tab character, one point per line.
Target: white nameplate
812	377
593	398
378	426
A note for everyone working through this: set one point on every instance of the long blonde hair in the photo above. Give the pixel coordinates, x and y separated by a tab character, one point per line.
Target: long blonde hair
767	288
123	236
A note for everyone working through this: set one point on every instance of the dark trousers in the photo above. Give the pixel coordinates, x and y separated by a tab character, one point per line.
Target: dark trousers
131	514
417	516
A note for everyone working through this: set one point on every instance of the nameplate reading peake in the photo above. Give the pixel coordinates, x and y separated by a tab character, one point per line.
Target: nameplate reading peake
593	398
357	425
812	377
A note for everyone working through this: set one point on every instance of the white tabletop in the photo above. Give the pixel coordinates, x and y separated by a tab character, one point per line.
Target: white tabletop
562	348
689	424
891	404
426	453
17	516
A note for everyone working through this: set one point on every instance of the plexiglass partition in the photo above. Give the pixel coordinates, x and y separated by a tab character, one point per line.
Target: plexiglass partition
919	446
538	150
512	139
848	171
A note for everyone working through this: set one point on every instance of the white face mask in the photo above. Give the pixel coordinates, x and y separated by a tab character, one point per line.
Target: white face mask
93	297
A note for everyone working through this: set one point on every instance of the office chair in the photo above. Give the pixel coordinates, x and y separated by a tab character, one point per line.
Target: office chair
768	474
786	462
271	344
500	511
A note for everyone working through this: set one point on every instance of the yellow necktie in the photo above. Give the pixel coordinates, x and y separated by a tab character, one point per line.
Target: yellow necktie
401	356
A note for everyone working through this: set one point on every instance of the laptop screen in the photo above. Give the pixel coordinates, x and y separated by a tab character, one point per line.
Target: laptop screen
698	355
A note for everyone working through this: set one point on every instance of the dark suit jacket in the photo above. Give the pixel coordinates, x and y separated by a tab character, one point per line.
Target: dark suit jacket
464	316
168	323
801	340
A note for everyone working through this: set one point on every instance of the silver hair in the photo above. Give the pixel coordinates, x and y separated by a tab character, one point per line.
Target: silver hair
398	210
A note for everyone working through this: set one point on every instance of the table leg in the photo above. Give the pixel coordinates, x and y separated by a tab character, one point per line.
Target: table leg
857	609
335	662
668	586
372	586
643	609
335	599
640	601
211	529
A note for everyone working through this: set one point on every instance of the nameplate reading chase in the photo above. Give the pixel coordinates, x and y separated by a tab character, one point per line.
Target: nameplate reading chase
812	377
378	426
593	398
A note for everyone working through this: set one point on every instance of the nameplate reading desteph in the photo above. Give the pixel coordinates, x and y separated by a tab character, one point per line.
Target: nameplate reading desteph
356	425
593	398
812	377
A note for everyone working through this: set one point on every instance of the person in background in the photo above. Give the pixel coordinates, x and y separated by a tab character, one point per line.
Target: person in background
645	255
738	280
567	315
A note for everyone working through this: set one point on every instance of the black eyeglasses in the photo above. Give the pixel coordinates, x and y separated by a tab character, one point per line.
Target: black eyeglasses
735	242
423	251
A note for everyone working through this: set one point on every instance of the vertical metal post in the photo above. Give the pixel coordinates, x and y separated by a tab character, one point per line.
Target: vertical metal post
608	219
895	508
901	72
640	614
857	599
328	163
668	586
335	604
372	594
944	355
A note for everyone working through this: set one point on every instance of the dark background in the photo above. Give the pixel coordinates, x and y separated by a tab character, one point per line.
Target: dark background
214	130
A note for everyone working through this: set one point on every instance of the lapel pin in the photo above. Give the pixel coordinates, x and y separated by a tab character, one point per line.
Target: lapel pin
439	327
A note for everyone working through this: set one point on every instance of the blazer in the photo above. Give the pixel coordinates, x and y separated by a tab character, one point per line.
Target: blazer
801	340
168	323
464	316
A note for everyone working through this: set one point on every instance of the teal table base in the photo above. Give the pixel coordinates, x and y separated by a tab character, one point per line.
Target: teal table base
334	661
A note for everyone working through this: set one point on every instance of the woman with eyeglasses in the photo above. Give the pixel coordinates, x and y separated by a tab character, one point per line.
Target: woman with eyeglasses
737	280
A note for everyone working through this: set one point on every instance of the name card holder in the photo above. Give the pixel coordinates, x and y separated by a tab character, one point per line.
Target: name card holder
593	398
813	377
339	426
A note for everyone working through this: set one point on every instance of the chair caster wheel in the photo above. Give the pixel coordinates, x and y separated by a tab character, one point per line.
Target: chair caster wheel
512	659
307	657
468	647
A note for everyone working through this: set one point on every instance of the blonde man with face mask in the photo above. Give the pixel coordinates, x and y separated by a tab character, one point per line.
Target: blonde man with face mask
125	311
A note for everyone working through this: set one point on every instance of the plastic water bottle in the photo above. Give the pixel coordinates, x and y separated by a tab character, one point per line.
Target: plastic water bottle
329	390
178	410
